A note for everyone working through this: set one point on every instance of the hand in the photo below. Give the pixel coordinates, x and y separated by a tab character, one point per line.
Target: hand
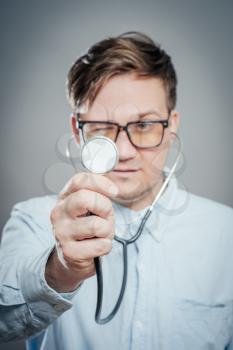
81	238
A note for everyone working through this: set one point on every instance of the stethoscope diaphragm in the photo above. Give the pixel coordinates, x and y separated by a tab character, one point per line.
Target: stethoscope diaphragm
99	155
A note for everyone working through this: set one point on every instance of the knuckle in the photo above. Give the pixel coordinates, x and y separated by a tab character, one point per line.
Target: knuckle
112	233
106	207
54	214
105	247
108	229
66	252
95	225
60	231
100	228
108	246
82	196
82	199
68	204
78	179
77	199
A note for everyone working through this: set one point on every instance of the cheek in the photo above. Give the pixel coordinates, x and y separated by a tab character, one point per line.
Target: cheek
153	160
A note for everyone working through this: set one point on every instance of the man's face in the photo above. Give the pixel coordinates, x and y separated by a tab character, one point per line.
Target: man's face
138	174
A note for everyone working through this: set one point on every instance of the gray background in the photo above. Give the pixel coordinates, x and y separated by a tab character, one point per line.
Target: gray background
41	39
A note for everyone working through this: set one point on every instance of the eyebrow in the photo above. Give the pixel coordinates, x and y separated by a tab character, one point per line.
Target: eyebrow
140	115
151	111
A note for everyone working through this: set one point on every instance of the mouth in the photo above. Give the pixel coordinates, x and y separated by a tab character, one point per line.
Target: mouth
125	172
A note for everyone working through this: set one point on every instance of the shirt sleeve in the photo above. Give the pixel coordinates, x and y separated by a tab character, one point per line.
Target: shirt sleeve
27	303
230	345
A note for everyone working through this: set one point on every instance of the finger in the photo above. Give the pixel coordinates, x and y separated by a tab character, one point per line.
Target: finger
84	228
84	201
86	249
93	226
93	182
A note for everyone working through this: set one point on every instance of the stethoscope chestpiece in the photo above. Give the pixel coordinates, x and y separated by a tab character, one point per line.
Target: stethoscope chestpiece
99	155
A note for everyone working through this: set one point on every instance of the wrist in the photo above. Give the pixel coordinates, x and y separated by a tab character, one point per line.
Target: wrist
60	277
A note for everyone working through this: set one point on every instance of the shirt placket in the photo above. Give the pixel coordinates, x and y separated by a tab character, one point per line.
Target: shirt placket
140	317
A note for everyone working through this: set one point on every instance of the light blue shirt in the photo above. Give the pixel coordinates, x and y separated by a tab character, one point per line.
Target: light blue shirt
179	293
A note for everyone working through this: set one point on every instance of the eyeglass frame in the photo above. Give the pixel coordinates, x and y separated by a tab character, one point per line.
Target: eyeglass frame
165	124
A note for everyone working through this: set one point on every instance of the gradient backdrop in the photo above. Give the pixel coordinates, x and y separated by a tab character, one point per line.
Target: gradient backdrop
41	39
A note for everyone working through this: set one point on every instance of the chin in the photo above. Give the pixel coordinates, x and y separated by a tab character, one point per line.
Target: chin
131	197
127	192
126	202
138	196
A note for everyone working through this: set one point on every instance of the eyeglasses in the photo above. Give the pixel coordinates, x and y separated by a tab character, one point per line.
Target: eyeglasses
142	134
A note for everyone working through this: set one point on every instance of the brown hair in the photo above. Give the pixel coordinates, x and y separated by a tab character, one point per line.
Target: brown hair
126	53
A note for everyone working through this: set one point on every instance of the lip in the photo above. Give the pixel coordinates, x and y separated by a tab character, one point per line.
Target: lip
125	173
125	170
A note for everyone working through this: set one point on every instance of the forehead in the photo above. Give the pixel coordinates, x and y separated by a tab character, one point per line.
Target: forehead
124	96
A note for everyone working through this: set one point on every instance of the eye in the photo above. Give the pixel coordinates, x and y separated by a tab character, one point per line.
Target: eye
143	125
105	128
99	129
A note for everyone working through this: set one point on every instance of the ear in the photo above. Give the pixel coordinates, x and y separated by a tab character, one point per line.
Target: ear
174	121
74	128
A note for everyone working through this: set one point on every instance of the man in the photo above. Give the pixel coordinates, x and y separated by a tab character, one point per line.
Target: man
179	293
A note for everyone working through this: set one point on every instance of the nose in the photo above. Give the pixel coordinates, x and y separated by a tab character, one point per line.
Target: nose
125	147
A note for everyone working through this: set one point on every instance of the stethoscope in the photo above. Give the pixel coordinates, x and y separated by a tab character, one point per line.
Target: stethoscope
100	155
